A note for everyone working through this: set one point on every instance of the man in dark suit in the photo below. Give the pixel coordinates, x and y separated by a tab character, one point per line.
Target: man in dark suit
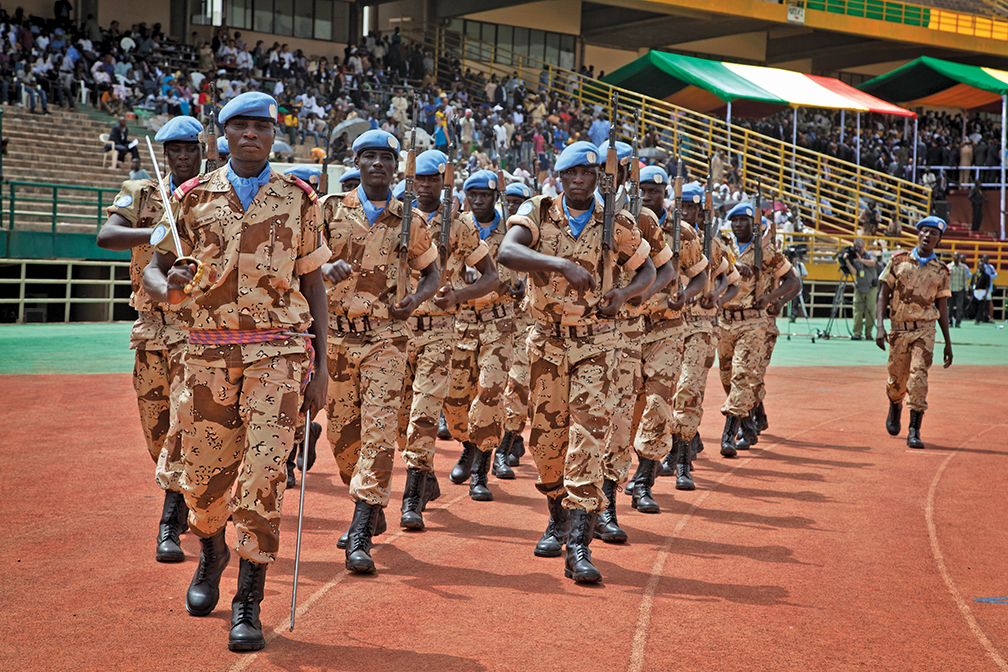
120	138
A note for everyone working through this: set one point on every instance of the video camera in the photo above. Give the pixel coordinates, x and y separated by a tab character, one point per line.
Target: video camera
792	252
849	253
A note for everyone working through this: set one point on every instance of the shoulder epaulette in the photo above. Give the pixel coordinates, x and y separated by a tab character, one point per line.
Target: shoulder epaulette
189	185
307	188
898	253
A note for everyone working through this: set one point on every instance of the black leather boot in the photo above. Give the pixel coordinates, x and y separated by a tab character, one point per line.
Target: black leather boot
246	630
892	421
313	437
557	529
204	590
684	465
747	431
432	490
291	479
913	432
517	450
443	432
632	483
642	500
363	526
667	465
697	445
379	529
760	419
173	513
606	526
578	565
412	500
501	468
460	472
731	425
478	490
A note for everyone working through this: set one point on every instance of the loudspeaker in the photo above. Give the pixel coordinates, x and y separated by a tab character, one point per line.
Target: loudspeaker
942	209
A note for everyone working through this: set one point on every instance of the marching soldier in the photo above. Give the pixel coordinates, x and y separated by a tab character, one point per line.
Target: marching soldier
429	354
369	332
482	357
255	239
349	180
915	287
574	344
157	336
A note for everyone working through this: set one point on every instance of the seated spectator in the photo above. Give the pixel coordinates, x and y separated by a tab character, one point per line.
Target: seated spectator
119	138
30	86
136	172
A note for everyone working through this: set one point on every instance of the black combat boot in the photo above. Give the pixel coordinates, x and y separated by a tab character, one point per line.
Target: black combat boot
463	467
557	529
173	515
379	529
731	425
204	590
578	565
291	479
363	526
246	630
697	445
667	465
759	416
892	421
747	433
501	468
443	432
412	500
642	500
431	492
606	526
478	490
913	432
632	483
313	437
517	450
684	465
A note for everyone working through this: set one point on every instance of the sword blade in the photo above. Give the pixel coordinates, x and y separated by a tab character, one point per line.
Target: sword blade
297	545
164	199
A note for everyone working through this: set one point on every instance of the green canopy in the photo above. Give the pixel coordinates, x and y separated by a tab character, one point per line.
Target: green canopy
932	82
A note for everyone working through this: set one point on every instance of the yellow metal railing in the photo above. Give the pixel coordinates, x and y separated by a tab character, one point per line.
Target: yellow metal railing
933	18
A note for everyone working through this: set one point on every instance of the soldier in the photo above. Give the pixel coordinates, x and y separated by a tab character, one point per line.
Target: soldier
573	346
369	332
157	337
349	180
429	354
255	234
743	327
482	357
918	286
222	149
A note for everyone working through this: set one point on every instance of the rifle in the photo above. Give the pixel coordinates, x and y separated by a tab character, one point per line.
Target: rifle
323	180
708	220
677	213
212	156
634	188
609	201
501	196
402	286
757	240
447	203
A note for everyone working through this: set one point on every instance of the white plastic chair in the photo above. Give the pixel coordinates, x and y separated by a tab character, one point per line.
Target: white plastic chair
104	138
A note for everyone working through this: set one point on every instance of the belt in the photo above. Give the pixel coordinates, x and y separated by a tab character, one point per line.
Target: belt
742	314
577	331
345	325
432	322
696	317
911	326
494	312
658	325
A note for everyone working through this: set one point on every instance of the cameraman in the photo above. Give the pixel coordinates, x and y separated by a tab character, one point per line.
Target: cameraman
863	266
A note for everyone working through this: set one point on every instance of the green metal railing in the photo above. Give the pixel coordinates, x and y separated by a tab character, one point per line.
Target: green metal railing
89	209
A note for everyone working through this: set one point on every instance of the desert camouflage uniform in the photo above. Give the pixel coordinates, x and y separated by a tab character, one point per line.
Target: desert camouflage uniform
241	402
429	353
516	394
772	332
482	358
367	348
572	352
914	290
158	374
742	342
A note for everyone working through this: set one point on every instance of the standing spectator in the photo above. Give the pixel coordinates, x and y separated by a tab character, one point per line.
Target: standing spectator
797	262
869	220
965	161
960	277
895	227
977	200
983	289
862	266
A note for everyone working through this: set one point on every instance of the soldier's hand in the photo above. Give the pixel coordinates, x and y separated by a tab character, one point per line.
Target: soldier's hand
178	277
677	300
707	301
774	308
517	289
578	278
880	337
337	272
762	302
445	298
744	270
948	355
611	303
404	308
471	275
315	394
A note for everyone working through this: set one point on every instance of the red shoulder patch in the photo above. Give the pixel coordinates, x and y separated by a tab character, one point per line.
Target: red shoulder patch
186	187
307	189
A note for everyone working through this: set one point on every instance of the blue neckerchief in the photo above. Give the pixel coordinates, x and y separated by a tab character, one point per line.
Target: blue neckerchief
742	248
370	211
661	219
427	217
247	187
576	224
171	183
485	232
925	260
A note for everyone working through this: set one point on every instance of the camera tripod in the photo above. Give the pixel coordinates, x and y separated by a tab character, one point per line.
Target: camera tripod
836	310
804	310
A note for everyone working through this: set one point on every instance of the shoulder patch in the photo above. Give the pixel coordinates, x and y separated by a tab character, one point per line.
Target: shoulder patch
307	188
124	201
186	187
159	233
525	208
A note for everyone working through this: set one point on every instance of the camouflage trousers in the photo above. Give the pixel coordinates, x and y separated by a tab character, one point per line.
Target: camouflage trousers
910	354
516	394
699	345
740	350
627	385
428	369
571	387
663	360
772	333
159	378
237	422
362	406
479	372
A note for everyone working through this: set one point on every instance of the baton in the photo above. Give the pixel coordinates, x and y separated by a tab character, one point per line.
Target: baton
297	545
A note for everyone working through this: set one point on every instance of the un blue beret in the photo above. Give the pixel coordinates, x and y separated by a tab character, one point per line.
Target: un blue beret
305	173
481	179
744	209
399	189
376	139
180	129
431	162
580	153
222	146
518	189
253	104
692	193
936	222
657	175
623	151
351	175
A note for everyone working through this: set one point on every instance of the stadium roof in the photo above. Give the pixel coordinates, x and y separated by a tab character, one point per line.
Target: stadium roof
932	82
705	86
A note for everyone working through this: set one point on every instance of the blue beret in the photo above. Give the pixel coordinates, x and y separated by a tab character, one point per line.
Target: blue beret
376	139
254	104
743	209
180	129
936	222
431	162
353	174
657	175
623	151
399	189
580	153
481	179
518	189
692	192
222	146
305	173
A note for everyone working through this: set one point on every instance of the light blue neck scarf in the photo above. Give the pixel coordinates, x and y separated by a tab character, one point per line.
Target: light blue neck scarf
247	187
370	211
485	232
577	224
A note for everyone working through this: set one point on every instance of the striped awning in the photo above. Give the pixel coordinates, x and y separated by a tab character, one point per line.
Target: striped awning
932	82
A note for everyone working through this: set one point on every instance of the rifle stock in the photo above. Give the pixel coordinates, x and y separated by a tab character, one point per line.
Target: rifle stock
634	190
609	197
402	284
757	240
677	213
708	245
447	203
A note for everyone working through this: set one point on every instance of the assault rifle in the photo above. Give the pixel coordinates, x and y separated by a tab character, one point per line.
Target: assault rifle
677	212
402	285
213	157
757	240
634	200
609	202
447	203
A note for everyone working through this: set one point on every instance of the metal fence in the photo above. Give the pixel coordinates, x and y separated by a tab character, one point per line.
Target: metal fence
60	203
38	287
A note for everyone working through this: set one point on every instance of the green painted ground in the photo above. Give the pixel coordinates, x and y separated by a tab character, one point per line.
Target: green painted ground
104	348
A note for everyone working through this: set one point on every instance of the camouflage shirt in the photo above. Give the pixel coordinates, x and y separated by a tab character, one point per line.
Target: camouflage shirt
775	266
466	249
691	263
722	261
914	289
499	293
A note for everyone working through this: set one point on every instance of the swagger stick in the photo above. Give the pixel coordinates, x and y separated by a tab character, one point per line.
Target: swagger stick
297	545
